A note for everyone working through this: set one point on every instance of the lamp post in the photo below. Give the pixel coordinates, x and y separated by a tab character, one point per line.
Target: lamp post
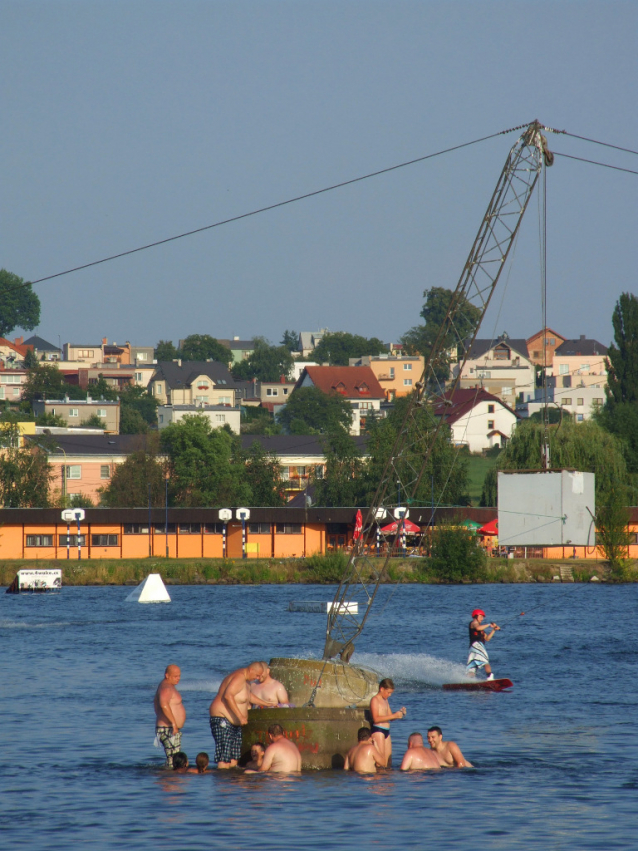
166	518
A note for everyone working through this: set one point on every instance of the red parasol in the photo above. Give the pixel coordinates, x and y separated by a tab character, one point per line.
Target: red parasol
410	528
490	528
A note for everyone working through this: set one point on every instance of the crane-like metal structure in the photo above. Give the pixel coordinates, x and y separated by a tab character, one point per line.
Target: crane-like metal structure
410	455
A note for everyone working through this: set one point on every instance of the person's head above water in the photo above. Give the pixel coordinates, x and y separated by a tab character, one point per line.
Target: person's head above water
415	740
201	761
363	734
180	760
477	613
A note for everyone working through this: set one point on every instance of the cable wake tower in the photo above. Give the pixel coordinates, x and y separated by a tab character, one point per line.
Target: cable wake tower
410	455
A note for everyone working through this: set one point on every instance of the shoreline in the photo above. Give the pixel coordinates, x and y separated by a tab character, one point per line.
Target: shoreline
316	570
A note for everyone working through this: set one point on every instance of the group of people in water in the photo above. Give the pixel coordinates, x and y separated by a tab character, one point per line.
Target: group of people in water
253	686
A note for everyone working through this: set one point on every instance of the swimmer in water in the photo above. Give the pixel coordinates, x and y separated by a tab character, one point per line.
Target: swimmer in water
448	753
381	717
418	757
364	757
180	762
201	763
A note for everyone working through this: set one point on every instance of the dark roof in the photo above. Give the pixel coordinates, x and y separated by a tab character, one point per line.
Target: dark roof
90	444
182	376
481	347
41	345
464	399
296	444
582	347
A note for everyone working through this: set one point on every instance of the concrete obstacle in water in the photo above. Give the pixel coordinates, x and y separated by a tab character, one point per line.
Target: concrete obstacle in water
335	684
151	590
323	736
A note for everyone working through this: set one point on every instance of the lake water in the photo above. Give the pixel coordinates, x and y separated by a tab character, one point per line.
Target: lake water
556	758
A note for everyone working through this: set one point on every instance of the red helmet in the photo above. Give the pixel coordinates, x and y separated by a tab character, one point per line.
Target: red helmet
478	612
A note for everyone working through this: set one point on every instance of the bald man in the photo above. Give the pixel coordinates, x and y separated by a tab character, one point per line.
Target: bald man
170	714
229	712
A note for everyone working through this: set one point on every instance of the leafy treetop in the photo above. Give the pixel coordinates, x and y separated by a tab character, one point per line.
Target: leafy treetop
19	305
337	348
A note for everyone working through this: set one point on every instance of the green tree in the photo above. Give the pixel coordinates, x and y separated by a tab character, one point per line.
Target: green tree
446	473
555	415
263	476
103	390
311	411
337	348
205	464
51	420
138	410
25	473
44	381
580	446
19	305
93	422
421	338
344	472
258	421
130	482
290	341
80	500
265	363
622	357
612	531
30	360
165	351
457	555
204	347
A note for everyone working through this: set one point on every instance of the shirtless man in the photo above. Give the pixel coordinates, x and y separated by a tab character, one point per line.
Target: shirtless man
282	756
364	756
169	713
418	757
268	691
448	753
229	713
381	717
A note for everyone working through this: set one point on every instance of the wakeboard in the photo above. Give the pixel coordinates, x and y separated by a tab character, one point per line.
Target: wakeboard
480	685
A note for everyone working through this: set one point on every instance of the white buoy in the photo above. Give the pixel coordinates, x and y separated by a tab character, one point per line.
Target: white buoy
151	590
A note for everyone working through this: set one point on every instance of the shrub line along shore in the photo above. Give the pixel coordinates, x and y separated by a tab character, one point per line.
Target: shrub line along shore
314	570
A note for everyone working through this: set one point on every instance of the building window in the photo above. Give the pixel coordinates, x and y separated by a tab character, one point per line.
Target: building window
536	354
160	417
224	400
365	406
584	367
490	424
580	418
72	540
289	528
139	376
272	391
566	401
136	529
482	373
213	528
407	382
159	388
201	399
74	471
597	402
490	409
507	391
105	540
74	412
86	353
11	379
39	540
190	528
142	356
285	391
259	528
407	366
160	528
101	412
552	341
220	418
391	372
563	369
105	471
580	402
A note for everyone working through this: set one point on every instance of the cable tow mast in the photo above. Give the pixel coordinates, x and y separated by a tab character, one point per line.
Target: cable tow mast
410	455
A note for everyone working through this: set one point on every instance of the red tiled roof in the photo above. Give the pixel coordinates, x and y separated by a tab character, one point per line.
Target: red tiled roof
463	400
352	382
21	350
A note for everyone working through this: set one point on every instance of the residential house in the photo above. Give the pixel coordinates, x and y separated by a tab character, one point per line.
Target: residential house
478	419
580	402
12	355
580	363
542	345
83	352
240	349
192	383
11	383
217	415
77	411
43	350
309	340
397	374
501	367
357	384
142	355
84	463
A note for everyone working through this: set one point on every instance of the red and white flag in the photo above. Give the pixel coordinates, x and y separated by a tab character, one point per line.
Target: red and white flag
358	525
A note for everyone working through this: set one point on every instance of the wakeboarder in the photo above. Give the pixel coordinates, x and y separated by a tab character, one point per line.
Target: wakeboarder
479	636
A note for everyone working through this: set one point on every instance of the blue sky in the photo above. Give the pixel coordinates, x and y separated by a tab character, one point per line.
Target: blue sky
128	122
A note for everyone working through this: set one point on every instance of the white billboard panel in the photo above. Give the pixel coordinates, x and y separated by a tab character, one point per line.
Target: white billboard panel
39	580
546	509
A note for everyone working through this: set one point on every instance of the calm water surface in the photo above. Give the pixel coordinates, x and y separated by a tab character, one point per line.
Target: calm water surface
556	759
